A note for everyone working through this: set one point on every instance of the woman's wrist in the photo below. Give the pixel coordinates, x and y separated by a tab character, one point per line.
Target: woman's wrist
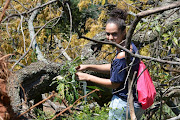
88	77
85	67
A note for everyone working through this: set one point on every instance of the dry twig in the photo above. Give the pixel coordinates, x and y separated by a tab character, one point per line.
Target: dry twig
53	94
4	10
74	104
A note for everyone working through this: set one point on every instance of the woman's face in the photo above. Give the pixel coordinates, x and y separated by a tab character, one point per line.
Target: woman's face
113	33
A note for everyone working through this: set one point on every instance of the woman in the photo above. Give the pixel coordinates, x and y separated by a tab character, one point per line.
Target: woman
115	32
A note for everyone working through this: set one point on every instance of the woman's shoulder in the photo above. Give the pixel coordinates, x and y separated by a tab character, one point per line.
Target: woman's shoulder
119	60
121	55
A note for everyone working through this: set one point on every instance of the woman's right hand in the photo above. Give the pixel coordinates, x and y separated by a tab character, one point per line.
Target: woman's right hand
82	76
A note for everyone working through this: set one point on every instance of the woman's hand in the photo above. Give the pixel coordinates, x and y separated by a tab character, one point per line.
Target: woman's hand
82	76
81	67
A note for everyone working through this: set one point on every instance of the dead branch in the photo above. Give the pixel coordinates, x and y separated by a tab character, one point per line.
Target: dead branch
35	47
143	14
21	4
70	16
175	118
158	9
74	103
53	94
172	106
32	41
5	56
129	52
25	99
169	69
66	105
4	9
172	92
30	11
55	107
61	48
131	31
23	34
130	99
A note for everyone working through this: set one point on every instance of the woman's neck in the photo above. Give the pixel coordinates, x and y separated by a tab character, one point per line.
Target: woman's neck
122	44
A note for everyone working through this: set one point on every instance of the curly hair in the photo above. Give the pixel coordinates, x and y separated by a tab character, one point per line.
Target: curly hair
118	17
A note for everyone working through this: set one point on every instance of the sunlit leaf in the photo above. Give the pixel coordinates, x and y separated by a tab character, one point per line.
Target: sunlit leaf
175	40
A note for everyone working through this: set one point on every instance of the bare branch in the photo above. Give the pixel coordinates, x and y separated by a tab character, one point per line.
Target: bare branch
21	5
159	9
168	69
61	48
32	41
4	9
143	14
175	118
130	99
132	54
30	11
23	34
53	94
66	105
7	30
173	107
172	92
73	104
70	29
70	17
54	106
35	47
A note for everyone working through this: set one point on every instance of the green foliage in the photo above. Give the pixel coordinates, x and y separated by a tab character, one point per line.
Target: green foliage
96	113
165	114
68	86
79	18
87	113
41	115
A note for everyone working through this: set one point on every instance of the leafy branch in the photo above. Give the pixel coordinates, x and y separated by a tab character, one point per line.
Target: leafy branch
67	85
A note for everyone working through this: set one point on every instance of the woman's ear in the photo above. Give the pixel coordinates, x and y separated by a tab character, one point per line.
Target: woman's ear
124	34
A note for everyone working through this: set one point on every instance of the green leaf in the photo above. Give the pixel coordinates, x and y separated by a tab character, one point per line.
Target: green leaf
175	40
158	28
170	33
75	92
76	59
94	87
165	35
138	26
177	20
73	77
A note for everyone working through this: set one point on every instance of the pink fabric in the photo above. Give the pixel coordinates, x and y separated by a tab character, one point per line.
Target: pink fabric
145	87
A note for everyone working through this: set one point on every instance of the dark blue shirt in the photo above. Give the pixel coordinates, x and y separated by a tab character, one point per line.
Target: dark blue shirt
118	74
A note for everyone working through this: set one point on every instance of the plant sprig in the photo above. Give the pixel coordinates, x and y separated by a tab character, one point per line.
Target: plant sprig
67	85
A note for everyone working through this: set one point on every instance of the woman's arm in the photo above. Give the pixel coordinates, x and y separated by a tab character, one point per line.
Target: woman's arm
101	81
104	68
